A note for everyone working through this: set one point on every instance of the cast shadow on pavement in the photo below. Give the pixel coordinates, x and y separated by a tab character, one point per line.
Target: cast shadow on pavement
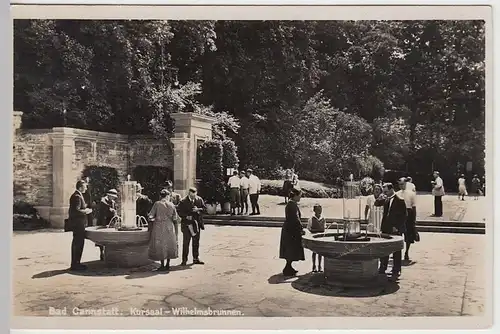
280	279
315	284
98	268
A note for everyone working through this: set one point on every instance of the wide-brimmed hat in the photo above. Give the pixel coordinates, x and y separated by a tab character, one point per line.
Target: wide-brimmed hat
112	192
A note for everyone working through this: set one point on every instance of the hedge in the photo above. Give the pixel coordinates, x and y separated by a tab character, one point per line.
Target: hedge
309	189
102	178
152	179
229	154
211	172
26	218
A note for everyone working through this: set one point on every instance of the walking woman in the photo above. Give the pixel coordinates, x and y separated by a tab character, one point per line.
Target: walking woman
163	243
291	248
462	188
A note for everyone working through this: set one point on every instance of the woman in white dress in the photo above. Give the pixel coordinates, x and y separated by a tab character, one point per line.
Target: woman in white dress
462	188
374	209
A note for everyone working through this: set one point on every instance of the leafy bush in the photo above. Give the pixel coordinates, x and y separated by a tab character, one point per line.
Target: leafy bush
309	189
26	218
229	154
102	178
152	179
211	172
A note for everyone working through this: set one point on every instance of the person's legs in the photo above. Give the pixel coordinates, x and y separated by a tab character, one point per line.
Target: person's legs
288	270
245	200
186	240
396	266
101	254
320	259
407	250
314	262
440	206
77	247
436	200
384	261
252	202
257	208
196	249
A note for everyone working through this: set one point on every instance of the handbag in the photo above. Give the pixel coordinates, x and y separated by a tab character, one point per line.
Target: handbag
67	225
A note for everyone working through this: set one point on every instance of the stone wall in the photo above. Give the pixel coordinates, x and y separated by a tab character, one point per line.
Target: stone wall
33	159
47	163
147	151
32	167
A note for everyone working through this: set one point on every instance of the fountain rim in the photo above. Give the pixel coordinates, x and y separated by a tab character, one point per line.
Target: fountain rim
104	229
383	239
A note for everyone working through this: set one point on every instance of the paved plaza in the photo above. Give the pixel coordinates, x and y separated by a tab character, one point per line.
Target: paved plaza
454	209
242	273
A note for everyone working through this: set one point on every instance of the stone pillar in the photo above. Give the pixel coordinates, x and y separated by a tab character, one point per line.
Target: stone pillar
180	141
63	183
17	120
128	196
189	128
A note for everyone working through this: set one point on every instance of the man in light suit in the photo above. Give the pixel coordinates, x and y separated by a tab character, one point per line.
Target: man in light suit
438	193
190	210
393	222
77	213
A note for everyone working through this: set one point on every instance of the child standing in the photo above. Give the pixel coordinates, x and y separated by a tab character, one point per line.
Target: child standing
316	224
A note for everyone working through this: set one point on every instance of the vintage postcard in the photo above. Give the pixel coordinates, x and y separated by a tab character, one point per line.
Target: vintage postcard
251	167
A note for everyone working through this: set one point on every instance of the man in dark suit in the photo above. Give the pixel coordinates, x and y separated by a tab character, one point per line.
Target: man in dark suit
393	222
87	196
77	213
190	210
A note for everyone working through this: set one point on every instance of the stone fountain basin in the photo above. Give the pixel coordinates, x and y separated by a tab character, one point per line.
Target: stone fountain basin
325	244
110	236
125	249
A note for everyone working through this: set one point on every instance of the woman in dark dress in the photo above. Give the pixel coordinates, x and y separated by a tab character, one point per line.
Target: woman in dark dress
291	248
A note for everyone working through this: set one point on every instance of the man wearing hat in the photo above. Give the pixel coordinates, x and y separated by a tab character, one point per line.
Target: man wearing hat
107	210
175	198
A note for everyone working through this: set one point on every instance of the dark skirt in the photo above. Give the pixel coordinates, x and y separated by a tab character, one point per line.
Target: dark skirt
411	229
291	248
287	187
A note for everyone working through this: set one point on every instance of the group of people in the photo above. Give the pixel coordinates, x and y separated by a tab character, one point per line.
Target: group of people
163	218
477	187
397	217
242	186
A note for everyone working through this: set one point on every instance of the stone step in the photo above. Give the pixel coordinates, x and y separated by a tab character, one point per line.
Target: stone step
456	228
279	220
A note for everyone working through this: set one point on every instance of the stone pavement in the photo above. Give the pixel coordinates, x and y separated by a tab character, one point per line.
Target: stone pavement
469	210
242	272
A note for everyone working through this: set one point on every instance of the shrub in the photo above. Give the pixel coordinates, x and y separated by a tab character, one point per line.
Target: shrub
211	173
26	218
229	154
102	178
309	189
152	179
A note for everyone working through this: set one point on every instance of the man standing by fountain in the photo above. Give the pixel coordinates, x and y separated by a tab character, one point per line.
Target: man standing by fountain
393	222
254	190
77	213
190	209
